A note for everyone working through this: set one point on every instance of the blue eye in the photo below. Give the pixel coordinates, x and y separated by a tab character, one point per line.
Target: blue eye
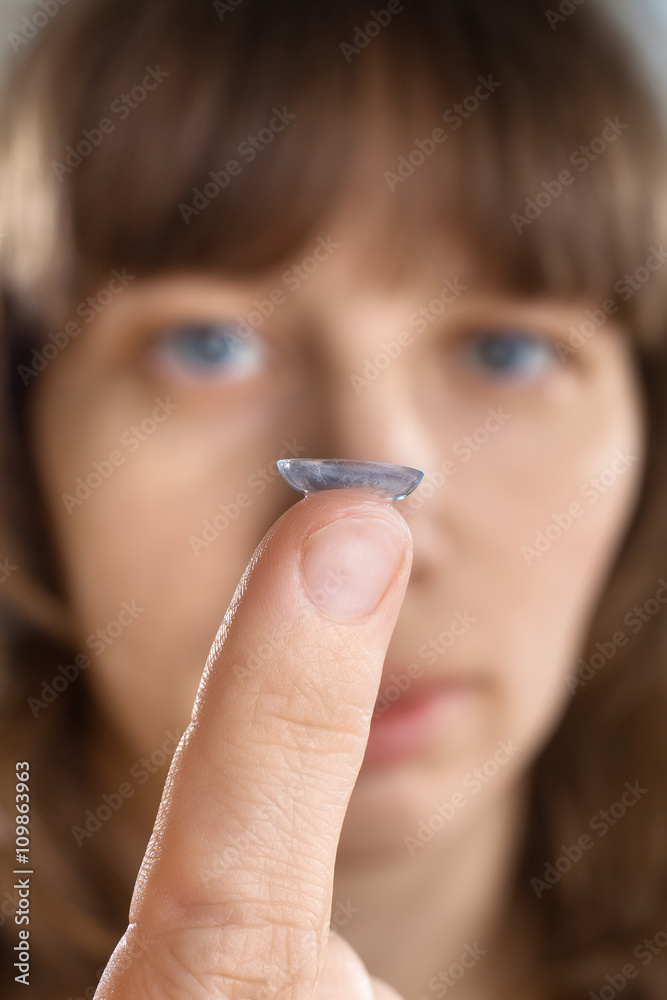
510	354
210	350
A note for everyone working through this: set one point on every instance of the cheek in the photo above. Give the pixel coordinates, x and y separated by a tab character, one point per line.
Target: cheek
538	513
531	614
154	552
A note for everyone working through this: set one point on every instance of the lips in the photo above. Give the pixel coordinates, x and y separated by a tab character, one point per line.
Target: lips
410	713
398	689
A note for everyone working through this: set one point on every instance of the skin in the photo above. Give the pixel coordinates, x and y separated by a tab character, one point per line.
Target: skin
129	540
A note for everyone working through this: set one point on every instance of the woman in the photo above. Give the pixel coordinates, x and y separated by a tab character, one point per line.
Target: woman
429	235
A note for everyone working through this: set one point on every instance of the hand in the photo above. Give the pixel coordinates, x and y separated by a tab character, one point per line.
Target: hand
233	899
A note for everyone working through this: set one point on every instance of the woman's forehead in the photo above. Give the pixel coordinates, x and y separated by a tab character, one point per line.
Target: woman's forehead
434	134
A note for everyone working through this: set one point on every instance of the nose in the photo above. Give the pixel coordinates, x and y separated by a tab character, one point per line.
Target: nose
380	420
381	415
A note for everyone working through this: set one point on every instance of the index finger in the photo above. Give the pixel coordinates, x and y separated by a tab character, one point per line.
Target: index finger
285	703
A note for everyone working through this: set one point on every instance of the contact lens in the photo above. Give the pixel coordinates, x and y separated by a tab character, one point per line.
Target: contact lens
313	475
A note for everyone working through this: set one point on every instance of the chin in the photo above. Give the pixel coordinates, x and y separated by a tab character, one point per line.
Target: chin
388	804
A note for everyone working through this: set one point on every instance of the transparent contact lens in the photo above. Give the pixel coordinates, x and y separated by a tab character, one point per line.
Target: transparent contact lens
313	475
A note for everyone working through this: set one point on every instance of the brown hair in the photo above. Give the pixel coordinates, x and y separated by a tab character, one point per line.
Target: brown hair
66	223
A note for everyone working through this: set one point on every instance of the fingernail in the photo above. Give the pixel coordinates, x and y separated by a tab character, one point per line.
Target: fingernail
348	565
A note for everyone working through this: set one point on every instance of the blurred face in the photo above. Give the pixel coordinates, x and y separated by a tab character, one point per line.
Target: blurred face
157	432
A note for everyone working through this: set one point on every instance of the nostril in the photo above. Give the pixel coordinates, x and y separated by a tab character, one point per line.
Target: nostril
313	475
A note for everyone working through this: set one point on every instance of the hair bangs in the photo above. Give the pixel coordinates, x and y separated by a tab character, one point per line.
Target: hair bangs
259	123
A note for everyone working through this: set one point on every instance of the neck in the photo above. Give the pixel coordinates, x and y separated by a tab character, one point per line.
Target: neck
439	918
